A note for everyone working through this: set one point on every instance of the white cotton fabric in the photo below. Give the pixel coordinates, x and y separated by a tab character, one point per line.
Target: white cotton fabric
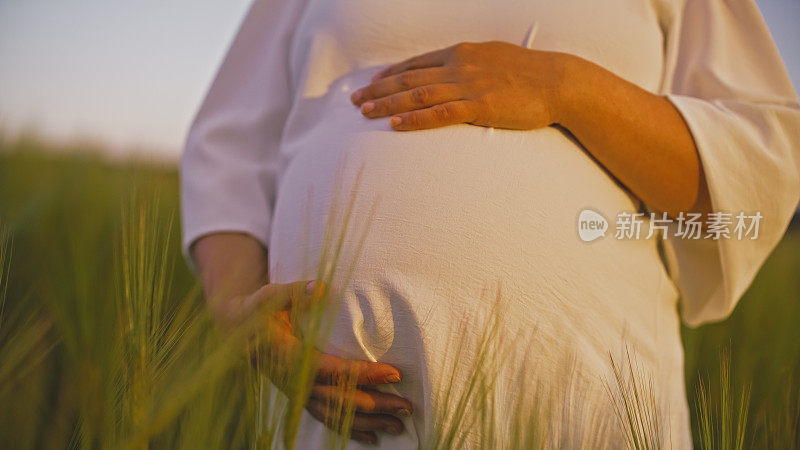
442	217
725	75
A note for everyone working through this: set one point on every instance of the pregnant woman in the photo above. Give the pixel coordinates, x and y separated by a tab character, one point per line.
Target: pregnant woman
472	134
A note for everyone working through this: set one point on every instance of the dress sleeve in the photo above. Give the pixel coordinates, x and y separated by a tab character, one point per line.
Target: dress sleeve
725	76
230	162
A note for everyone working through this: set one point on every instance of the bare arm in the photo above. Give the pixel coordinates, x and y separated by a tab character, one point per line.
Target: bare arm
638	136
231	266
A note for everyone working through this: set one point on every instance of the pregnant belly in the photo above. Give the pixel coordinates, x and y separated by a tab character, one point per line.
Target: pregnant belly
440	219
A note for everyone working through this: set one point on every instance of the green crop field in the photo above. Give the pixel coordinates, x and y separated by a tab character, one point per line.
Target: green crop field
103	343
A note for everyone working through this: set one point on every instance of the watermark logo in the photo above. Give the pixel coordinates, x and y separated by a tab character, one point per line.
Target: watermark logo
714	226
591	225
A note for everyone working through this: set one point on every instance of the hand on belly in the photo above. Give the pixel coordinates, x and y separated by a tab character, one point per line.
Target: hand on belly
339	385
493	84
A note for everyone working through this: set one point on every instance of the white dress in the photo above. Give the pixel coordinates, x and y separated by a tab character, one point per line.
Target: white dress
448	215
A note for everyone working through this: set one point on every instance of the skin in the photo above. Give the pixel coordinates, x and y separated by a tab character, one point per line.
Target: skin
638	136
233	267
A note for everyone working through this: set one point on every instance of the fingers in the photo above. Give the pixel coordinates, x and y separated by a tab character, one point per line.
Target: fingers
443	114
367	437
364	400
422	92
378	422
402	82
334	419
416	98
333	370
430	59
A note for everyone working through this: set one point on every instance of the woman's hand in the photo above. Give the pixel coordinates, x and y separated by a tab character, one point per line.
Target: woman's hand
337	380
637	135
233	267
493	84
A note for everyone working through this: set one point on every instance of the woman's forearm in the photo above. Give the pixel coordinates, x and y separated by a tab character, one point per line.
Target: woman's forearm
638	136
231	265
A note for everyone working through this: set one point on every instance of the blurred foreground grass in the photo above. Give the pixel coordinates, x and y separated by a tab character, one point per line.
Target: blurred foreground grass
65	212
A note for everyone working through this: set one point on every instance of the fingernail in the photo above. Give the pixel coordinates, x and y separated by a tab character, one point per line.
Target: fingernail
396	120
310	287
377	76
367	107
393	379
402	412
356	96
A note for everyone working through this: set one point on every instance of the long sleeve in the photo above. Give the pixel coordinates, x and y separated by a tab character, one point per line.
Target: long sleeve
726	77
231	160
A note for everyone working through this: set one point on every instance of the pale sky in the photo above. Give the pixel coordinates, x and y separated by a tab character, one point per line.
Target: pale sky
131	74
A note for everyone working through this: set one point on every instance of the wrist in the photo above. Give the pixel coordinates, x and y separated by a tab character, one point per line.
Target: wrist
230	264
569	93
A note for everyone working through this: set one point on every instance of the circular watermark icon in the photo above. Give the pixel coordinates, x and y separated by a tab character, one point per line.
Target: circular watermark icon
591	225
